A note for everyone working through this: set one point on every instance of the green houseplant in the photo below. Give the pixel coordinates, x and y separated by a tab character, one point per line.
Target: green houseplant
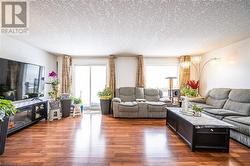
197	110
105	100
7	109
189	92
77	102
191	89
105	94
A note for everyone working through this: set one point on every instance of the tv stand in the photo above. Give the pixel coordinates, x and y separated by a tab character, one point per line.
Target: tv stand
36	98
28	112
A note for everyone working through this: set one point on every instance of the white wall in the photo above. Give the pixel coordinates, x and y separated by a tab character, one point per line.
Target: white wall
231	71
126	68
126	71
161	61
19	51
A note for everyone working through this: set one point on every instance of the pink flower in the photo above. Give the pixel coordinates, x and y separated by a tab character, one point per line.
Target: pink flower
53	74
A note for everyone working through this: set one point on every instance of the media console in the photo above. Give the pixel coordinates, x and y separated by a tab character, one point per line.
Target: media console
28	113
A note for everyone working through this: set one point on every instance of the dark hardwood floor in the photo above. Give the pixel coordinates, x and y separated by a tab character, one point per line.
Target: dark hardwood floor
103	140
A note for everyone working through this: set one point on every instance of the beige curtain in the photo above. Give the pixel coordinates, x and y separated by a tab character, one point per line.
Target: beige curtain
112	79
140	81
66	74
184	70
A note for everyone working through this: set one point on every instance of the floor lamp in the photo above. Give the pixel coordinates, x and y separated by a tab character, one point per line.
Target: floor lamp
171	87
197	65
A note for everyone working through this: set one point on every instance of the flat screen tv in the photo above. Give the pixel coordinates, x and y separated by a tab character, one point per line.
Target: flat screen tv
19	81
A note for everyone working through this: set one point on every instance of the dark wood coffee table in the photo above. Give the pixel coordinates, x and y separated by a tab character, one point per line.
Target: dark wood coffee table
203	132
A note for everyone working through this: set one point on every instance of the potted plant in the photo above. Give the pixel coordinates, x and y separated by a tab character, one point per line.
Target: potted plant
7	109
54	82
189	91
105	100
77	102
197	110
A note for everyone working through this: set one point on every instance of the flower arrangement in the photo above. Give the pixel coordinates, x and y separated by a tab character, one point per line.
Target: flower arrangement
193	84
191	88
53	74
54	82
53	78
6	108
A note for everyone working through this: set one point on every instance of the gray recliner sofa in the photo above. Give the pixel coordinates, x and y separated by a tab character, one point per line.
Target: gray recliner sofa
232	106
134	102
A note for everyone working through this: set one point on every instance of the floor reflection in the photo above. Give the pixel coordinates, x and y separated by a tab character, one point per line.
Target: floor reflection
89	139
155	143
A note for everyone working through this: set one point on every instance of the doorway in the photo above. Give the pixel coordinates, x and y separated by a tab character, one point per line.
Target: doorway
89	80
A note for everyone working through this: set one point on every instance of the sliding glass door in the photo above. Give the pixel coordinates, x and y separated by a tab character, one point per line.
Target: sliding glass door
89	80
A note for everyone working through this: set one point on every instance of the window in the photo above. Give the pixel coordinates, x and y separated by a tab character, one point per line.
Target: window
156	77
89	80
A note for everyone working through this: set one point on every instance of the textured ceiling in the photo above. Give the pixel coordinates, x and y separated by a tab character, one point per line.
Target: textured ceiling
148	27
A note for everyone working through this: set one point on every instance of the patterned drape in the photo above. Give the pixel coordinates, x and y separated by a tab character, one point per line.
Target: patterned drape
184	70
66	74
112	79
140	81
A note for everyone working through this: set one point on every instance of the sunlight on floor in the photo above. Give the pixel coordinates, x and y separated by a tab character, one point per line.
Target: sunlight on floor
90	136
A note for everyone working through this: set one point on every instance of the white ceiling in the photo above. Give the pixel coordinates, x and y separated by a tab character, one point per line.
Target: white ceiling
147	27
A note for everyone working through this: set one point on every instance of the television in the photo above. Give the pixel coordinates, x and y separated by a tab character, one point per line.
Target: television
19	81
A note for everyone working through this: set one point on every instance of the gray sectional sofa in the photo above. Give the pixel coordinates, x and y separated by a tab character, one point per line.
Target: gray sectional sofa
134	102
232	106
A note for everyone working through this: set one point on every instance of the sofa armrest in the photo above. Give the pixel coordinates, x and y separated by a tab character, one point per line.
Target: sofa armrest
197	100
165	100
116	99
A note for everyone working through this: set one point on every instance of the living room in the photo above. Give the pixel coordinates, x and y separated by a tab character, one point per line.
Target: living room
142	82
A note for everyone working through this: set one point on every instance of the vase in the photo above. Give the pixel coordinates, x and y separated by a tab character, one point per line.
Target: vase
3	133
185	103
197	114
105	106
55	89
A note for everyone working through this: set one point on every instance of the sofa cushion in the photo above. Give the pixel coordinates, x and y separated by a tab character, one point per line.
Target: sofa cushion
222	112
152	94
127	94
240	95
242	124
156	103
215	102
128	107
156	106
240	119
217	97
243	108
201	105
139	93
239	101
128	104
213	115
